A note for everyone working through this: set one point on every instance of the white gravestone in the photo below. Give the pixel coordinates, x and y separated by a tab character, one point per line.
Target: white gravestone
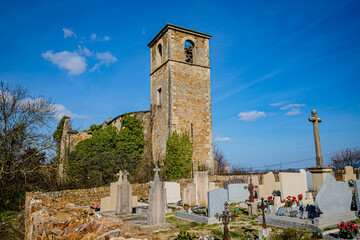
172	192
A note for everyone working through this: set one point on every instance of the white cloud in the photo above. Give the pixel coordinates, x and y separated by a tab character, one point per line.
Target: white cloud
71	61
143	31
278	104
251	115
94	37
222	139
293	111
292	105
105	58
85	51
61	110
68	33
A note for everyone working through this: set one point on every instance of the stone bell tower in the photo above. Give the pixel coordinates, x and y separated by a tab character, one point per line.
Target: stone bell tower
181	91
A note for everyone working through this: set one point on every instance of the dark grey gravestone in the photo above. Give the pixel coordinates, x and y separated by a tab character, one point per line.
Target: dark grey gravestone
333	198
216	200
357	193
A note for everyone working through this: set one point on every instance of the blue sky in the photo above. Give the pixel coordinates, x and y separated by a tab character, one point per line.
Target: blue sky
272	63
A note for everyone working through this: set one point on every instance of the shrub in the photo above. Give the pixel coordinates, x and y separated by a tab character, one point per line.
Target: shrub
178	156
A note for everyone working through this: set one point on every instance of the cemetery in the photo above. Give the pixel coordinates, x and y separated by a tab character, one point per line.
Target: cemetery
157	169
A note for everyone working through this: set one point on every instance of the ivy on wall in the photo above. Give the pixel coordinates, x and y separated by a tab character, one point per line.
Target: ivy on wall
179	151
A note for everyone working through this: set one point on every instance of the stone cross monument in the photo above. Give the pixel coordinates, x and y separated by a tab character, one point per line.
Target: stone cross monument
319	172
157	200
124	195
251	190
315	120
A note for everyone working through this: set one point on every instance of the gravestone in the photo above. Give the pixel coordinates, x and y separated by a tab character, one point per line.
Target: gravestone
357	193
157	200
238	192
124	199
189	194
109	203
231	181
216	200
309	180
349	173
333	198
292	184
172	192
268	186
201	180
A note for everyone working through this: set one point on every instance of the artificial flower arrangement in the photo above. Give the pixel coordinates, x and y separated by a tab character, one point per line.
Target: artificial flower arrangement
289	201
96	207
186	206
143	200
348	231
237	208
270	201
300	197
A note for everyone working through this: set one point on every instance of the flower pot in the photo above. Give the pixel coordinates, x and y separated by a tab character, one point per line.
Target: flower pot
270	209
288	209
186	208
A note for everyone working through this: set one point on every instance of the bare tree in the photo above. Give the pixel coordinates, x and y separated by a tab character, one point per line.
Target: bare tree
221	161
347	157
24	130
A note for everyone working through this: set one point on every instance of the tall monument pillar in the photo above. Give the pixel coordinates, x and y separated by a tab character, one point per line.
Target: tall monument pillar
319	172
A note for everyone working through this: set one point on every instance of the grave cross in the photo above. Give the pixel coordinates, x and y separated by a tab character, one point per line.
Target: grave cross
262	208
225	217
251	190
156	170
120	175
125	175
316	120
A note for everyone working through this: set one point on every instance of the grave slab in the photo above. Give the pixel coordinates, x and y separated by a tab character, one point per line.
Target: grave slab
238	192
216	200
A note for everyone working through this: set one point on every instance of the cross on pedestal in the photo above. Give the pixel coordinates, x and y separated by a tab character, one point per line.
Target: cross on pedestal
125	175
120	175
156	170
225	217
251	188
262	208
316	120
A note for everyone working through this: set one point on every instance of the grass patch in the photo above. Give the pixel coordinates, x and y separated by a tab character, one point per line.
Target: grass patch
12	225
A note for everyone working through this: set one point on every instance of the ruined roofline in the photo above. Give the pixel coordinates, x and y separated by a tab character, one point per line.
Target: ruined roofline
177	28
109	122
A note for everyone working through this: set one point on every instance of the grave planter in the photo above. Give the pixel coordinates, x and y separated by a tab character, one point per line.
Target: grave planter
271	209
288	209
186	207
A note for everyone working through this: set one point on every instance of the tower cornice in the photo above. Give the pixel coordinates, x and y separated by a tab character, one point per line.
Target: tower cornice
177	28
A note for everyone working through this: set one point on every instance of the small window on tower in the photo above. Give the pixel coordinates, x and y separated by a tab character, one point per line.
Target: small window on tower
159	97
189	51
160	50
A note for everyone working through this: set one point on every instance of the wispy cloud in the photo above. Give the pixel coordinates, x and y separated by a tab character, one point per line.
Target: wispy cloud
293	111
94	37
68	33
251	116
105	58
292	105
85	51
222	139
61	110
263	78
70	61
143	31
277	104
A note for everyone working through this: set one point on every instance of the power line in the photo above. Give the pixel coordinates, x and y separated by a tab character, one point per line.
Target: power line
303	160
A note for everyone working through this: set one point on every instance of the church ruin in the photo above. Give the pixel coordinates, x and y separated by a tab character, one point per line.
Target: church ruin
180	97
